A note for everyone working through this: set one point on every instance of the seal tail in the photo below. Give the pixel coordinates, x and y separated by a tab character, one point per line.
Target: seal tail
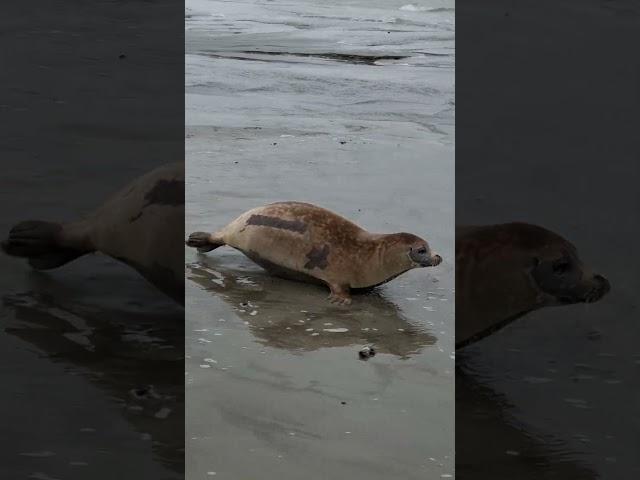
42	243
204	242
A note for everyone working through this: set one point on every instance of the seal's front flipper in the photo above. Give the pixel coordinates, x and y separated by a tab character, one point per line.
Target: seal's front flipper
339	295
43	243
204	242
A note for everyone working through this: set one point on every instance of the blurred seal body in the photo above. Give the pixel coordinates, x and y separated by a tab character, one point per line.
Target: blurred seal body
304	242
508	270
142	225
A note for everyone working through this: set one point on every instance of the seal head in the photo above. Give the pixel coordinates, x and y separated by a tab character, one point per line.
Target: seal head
506	271
564	279
416	249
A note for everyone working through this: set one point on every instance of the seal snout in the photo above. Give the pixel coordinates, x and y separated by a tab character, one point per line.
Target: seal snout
601	288
431	261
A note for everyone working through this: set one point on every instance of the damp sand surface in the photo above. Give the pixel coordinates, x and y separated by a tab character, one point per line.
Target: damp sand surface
348	106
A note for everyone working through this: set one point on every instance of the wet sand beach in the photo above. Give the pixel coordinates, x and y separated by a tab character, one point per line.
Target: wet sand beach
348	106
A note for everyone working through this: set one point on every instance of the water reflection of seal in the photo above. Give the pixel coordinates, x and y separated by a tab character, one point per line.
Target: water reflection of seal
142	225
505	271
309	324
136	359
304	242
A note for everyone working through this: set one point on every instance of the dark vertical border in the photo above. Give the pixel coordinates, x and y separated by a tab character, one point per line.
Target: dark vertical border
91	353
548	95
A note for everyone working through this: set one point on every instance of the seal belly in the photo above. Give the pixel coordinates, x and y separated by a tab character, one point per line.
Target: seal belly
281	271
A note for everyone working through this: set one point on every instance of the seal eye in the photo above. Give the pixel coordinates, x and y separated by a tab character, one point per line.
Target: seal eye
561	266
422	251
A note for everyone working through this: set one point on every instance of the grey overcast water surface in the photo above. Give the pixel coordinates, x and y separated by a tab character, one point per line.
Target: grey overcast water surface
349	105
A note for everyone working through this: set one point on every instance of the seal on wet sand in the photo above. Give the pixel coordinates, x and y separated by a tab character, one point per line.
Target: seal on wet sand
142	225
303	242
508	270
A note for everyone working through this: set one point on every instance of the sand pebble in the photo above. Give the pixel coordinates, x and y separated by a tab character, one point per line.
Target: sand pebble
336	330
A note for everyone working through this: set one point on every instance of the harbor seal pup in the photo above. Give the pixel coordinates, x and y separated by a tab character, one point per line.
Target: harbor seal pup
506	271
142	225
303	242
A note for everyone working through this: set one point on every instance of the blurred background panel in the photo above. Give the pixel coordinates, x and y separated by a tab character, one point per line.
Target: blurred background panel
547	134
91	352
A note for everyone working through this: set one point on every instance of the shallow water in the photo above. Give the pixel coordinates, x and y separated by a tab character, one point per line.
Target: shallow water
349	106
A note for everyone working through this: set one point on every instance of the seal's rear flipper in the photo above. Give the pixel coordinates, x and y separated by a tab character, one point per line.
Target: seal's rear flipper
40	242
204	242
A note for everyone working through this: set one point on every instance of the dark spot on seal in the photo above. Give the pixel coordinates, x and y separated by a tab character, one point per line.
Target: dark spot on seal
318	258
165	192
274	222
